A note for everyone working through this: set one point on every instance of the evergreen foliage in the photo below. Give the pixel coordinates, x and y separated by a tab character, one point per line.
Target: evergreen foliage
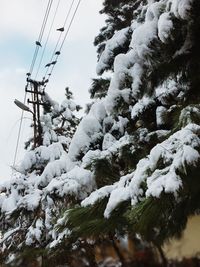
149	119
119	15
29	204
99	88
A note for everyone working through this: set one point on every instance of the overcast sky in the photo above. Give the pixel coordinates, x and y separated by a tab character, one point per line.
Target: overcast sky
20	23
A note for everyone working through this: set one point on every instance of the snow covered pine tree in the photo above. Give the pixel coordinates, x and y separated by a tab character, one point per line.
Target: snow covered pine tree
29	205
134	158
140	140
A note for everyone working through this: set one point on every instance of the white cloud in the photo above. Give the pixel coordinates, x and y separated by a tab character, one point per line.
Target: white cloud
20	71
20	17
24	17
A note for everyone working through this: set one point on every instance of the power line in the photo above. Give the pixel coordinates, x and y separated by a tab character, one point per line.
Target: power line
60	35
45	19
64	39
74	14
48	8
55	13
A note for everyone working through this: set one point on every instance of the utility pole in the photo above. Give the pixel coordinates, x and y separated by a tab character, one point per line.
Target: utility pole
36	101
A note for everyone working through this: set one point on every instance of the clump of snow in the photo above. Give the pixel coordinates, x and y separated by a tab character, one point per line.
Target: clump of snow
52	170
9	202
181	8
52	152
108	141
31	200
168	181
136	73
98	195
165	26
114	148
77	181
28	161
142	36
120	124
58	237
88	131
161	115
187	113
170	89
141	105
119	194
117	41
69	105
34	232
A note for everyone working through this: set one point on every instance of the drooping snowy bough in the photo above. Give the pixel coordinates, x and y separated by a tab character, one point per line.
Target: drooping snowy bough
33	199
142	140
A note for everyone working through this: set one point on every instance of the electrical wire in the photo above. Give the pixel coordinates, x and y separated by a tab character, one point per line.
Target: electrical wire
45	19
72	19
50	30
60	35
65	37
48	8
41	33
